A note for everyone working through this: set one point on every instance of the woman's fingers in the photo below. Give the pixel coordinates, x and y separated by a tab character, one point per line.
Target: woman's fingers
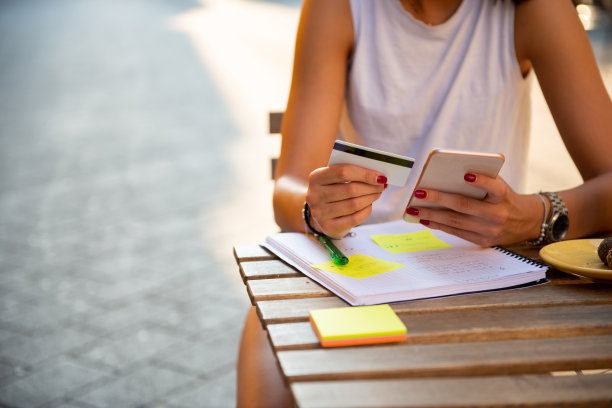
457	203
492	220
340	226
343	208
341	196
342	173
469	235
342	191
496	191
495	187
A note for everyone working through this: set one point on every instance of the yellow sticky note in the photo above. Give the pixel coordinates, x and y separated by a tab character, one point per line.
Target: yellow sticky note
410	242
345	326
359	267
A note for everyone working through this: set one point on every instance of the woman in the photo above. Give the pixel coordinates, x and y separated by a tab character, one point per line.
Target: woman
409	76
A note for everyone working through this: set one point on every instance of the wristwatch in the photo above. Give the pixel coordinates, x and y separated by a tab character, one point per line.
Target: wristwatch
554	227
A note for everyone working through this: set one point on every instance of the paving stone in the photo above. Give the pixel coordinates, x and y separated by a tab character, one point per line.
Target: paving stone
28	261
6	370
11	298
209	286
219	392
136	314
47	385
118	266
136	346
44	313
207	353
110	294
203	318
15	371
42	284
136	389
72	404
38	348
6	334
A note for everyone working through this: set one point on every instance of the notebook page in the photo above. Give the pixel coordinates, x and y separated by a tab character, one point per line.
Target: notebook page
461	268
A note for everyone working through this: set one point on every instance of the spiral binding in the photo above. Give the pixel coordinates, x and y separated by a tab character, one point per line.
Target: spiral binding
517	256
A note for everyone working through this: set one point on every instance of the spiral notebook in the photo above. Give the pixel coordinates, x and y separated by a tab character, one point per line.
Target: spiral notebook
398	261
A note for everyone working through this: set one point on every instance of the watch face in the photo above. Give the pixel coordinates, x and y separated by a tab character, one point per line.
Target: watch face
560	225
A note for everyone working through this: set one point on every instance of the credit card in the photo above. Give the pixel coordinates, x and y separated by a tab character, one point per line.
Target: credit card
394	166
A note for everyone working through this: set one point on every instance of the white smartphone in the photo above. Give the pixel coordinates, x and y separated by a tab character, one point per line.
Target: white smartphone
444	171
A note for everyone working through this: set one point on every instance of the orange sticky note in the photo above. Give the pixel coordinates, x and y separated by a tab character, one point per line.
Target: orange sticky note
346	326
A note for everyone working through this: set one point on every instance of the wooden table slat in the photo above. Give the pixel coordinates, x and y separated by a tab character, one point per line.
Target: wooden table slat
292	336
285	288
480	325
492	392
296	310
446	360
269	269
253	252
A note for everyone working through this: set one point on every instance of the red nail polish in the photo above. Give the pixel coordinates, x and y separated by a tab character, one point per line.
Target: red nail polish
469	177
412	211
420	194
424	222
386	185
381	180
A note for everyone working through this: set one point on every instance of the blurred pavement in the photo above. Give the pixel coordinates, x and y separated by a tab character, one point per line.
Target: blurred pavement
133	156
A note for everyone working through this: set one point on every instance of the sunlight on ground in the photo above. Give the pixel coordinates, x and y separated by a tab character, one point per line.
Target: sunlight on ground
247	48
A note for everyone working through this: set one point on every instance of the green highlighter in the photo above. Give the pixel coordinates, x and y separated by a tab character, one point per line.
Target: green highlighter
336	256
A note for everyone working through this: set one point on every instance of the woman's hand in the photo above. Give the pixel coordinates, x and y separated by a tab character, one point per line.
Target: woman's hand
502	217
341	196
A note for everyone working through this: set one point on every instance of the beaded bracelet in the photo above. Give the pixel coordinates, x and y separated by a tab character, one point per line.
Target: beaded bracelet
540	239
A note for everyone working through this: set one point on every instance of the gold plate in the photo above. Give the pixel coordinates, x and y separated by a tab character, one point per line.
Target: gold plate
578	257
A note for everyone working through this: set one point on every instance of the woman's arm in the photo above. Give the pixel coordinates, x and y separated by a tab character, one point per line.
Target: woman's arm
310	125
550	36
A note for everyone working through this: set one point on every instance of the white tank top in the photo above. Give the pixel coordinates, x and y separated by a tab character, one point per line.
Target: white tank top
413	87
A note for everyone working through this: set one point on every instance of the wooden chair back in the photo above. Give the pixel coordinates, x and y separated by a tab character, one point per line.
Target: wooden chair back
275	120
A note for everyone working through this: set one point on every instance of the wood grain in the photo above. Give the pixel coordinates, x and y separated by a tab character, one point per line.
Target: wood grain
479	325
296	310
448	360
284	288
249	253
494	392
267	270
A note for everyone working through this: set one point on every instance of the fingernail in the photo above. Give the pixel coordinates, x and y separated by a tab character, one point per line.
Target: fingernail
381	180
412	211
469	177
386	185
420	194
424	222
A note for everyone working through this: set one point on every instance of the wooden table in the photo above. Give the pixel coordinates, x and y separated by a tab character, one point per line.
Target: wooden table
494	349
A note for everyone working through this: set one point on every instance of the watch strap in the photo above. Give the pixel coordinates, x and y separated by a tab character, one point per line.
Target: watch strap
558	209
557	206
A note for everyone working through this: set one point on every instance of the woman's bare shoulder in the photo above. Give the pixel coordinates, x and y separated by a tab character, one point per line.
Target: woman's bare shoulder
327	23
542	25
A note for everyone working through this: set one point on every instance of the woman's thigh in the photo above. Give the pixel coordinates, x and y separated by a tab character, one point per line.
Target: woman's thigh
259	381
